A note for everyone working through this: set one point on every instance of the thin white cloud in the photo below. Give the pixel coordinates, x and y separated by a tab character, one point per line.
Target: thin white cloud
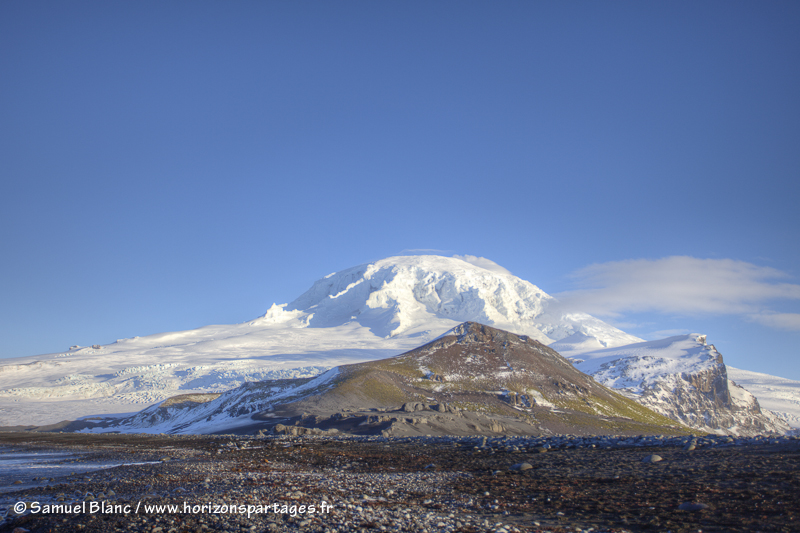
482	262
788	321
684	286
420	251
664	333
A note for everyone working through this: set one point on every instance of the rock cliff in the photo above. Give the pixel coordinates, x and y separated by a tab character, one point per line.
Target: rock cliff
683	378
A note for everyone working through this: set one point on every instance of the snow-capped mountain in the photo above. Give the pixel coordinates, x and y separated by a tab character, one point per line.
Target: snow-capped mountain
404	295
363	313
681	377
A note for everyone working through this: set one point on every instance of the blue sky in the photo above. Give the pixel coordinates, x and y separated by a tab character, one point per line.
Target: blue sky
168	165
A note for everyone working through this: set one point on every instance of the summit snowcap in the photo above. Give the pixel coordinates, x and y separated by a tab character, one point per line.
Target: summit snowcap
405	295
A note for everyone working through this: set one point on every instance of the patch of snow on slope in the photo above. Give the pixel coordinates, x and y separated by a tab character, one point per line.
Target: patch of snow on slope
576	344
230	410
277	314
641	365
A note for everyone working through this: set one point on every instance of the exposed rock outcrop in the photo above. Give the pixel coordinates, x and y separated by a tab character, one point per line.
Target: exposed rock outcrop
683	378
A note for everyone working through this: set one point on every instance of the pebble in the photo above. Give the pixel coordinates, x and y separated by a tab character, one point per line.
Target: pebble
420	500
691	506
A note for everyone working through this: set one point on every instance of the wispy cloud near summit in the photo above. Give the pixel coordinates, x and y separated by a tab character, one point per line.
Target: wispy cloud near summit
482	262
684	286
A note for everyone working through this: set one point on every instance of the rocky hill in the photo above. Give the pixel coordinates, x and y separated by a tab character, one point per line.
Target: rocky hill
473	380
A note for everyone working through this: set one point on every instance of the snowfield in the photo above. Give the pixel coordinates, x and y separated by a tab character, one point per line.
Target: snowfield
118	379
640	366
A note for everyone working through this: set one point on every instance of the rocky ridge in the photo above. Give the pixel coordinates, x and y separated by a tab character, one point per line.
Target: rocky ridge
683	378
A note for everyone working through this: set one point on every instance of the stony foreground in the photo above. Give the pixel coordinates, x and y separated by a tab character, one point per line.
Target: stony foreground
559	484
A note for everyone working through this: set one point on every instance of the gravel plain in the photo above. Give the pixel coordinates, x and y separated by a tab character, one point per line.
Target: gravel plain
420	484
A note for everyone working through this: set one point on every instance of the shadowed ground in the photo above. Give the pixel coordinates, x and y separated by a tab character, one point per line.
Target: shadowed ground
415	484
